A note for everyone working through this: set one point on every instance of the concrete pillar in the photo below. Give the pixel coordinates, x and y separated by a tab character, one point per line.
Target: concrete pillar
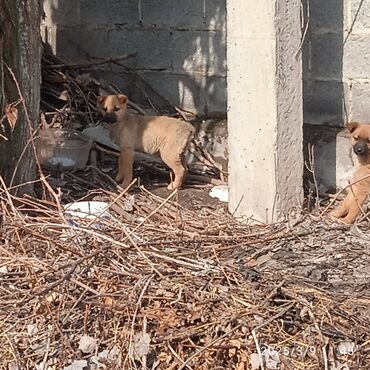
265	114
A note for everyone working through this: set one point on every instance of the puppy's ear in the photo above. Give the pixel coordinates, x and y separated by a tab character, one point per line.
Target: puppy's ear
122	99
101	99
352	126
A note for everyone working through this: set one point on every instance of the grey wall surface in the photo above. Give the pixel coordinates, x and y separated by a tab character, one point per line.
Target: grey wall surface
180	45
337	62
336	68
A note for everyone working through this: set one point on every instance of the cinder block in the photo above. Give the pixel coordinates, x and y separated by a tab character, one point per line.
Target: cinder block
196	93
181	90
214	95
215	14
327	55
327	14
323	102
199	51
109	12
360	15
79	43
187	14
361	102
152	46
357	56
61	12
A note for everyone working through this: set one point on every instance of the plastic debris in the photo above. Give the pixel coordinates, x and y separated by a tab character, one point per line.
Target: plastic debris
220	192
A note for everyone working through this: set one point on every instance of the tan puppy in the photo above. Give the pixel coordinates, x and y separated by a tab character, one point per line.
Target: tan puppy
164	135
349	209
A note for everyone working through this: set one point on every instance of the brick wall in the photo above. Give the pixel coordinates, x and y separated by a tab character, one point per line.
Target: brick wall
337	62
180	46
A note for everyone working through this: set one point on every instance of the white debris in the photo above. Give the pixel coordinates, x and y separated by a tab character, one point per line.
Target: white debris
272	359
220	192
105	357
87	210
32	329
77	365
141	346
255	361
3	269
87	344
61	162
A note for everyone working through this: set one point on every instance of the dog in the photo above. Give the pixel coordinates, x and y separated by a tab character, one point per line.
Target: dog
166	136
349	209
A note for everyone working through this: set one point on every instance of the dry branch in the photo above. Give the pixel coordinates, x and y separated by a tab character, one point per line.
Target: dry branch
199	286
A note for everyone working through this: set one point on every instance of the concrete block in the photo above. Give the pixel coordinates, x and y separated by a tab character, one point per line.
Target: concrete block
180	89
215	14
61	12
198	51
124	81
356	63
109	12
326	15
214	95
152	46
79	43
323	102
327	55
361	102
187	14
360	12
204	96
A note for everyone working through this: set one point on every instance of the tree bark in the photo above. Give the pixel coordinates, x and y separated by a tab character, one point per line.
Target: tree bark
20	79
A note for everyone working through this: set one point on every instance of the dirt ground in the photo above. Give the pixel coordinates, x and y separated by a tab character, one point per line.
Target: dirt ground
178	283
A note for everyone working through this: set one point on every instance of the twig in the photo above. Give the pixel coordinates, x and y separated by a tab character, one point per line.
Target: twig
311	168
303	38
90	64
258	349
177	356
138	305
341	191
197	353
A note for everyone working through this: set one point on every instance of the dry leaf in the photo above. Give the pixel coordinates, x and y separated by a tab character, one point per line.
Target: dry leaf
108	301
53	297
11	113
251	263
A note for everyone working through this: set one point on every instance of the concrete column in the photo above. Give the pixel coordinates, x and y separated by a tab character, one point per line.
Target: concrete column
265	114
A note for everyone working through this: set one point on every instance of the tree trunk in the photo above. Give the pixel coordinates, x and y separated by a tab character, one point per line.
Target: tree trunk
20	79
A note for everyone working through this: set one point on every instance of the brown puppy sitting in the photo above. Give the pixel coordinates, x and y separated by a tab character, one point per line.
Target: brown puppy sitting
349	209
167	136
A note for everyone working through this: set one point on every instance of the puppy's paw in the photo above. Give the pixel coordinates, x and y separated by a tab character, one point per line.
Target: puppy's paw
119	178
338	212
171	186
343	218
348	220
124	184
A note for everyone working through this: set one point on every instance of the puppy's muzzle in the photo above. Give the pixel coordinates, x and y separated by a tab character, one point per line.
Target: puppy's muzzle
109	118
361	148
